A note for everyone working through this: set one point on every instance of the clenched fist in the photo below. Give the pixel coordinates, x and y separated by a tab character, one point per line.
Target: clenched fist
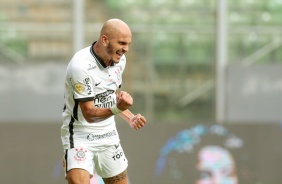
137	121
124	100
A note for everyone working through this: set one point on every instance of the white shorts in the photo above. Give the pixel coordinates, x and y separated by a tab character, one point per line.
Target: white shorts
107	161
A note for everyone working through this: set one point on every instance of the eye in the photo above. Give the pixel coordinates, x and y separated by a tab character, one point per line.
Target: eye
122	43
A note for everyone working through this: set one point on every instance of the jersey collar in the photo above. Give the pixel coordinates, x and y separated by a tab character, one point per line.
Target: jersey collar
97	58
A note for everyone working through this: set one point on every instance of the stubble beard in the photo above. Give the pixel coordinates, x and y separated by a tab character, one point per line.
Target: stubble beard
110	51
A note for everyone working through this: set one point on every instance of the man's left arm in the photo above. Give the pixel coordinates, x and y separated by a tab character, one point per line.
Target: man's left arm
135	121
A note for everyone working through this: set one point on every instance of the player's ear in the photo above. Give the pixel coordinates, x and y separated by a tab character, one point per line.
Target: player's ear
104	40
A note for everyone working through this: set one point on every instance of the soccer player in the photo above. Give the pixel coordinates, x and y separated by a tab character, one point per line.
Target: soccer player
89	136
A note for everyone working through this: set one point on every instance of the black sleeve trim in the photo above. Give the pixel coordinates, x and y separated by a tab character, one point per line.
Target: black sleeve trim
85	99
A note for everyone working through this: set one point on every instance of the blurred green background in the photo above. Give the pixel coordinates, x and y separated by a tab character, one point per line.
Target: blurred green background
173	54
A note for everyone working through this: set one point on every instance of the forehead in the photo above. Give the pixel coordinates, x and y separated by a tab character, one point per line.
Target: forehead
123	37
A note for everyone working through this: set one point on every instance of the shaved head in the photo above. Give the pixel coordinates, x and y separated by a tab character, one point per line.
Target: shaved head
113	27
113	43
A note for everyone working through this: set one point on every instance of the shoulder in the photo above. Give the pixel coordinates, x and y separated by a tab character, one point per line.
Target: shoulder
83	54
82	60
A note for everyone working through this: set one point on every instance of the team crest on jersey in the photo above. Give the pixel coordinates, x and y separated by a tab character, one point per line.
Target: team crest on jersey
79	87
118	75
80	154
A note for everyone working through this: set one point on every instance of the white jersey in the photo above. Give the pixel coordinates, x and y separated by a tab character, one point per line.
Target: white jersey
89	79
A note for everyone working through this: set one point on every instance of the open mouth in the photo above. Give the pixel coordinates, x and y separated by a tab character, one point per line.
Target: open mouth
119	54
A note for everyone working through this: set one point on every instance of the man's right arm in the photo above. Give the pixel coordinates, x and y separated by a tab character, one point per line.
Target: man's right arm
92	113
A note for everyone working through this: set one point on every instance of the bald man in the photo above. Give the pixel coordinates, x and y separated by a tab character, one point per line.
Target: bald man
89	135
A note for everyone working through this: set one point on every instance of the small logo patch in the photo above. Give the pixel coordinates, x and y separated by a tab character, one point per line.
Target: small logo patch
98	83
79	87
80	154
90	137
117	145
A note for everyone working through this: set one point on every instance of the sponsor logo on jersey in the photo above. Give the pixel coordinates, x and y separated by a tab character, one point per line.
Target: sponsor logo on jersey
92	137
105	99
79	87
87	85
90	67
117	155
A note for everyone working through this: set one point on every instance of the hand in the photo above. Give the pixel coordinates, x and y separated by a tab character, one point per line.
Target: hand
124	100
138	121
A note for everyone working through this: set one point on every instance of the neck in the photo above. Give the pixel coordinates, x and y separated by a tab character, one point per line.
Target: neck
108	62
99	52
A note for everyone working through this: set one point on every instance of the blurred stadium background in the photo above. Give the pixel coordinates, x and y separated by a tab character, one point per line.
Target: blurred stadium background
197	69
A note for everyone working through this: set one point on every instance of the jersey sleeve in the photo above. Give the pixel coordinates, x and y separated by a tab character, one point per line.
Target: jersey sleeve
81	84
